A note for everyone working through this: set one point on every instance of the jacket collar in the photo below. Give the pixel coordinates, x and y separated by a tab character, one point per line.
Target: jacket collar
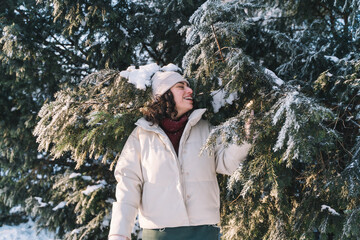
194	118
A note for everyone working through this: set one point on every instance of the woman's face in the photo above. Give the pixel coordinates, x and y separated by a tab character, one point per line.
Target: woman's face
183	97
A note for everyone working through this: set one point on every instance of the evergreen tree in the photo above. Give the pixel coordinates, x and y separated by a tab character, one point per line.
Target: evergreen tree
47	46
302	175
301	180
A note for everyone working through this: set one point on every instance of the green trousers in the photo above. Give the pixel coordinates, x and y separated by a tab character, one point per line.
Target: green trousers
203	232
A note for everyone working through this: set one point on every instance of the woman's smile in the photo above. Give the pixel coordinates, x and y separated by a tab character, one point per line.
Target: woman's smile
183	98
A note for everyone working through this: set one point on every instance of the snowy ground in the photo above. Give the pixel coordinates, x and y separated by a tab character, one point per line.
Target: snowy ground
24	231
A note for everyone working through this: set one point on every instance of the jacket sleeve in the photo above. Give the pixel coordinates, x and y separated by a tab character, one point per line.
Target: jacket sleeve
229	158
128	189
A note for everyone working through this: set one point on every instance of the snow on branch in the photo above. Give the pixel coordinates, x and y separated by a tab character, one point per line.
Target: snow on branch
141	77
92	188
220	99
330	210
302	131
231	131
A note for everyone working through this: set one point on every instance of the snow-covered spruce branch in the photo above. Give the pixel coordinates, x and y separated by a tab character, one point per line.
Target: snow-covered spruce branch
231	131
296	114
85	119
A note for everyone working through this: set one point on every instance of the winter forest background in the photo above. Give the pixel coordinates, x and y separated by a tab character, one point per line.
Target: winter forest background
68	105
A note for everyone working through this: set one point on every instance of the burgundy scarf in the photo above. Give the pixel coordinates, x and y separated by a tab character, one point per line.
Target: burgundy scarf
174	129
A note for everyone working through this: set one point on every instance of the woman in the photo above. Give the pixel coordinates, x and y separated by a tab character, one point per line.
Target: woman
162	174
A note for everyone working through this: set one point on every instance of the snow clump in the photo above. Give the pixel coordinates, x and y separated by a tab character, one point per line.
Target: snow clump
141	77
219	99
92	188
331	210
59	206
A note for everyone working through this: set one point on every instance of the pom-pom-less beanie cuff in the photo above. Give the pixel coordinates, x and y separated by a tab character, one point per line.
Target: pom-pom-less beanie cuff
163	81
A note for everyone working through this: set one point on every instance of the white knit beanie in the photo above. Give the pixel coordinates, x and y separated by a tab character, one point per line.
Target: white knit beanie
163	81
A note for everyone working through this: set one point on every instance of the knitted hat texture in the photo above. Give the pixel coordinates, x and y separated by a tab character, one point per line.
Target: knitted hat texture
163	81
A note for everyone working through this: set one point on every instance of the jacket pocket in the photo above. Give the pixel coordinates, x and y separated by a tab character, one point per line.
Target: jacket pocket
158	200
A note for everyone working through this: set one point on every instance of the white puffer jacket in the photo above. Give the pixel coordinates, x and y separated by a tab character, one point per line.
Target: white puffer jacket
170	190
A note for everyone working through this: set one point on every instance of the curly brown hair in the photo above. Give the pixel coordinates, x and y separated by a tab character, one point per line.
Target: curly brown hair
162	107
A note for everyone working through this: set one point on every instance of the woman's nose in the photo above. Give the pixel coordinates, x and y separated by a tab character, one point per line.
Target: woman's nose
189	90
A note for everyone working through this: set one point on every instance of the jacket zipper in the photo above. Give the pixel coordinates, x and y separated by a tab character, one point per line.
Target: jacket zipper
180	169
